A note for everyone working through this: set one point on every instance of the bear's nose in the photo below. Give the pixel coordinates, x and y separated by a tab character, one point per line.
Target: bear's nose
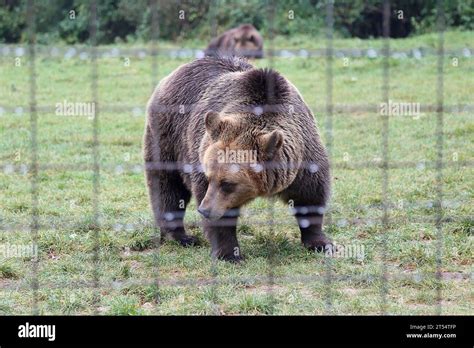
204	212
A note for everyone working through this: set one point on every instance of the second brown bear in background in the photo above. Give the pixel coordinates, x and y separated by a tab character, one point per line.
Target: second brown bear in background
243	41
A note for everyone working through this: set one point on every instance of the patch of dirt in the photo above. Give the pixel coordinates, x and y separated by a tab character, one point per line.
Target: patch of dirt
263	289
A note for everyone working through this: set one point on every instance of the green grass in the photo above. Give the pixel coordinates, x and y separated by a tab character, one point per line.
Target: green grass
188	281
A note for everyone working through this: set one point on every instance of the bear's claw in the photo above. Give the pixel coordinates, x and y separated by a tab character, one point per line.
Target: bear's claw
319	244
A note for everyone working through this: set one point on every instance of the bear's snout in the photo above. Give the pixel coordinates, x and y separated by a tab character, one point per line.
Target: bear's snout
211	214
204	212
210	211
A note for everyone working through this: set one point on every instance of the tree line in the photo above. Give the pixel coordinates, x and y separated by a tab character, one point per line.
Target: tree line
130	20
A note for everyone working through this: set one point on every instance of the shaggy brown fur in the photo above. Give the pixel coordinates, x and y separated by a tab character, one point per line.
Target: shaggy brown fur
244	41
217	104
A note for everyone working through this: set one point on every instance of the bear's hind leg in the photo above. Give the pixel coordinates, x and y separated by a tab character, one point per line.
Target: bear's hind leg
310	222
308	200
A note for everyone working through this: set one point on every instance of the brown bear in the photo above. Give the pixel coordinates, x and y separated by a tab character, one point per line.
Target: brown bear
199	119
244	41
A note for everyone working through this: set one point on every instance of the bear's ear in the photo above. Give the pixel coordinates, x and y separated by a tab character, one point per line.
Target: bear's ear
217	124
272	142
212	120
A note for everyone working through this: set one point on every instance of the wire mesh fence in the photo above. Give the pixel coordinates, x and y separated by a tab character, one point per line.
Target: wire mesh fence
268	217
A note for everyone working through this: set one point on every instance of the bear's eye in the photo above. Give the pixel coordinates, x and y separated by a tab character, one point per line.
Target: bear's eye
227	187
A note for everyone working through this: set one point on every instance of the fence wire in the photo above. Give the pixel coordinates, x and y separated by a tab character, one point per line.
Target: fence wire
331	110
33	150
385	152
271	7
439	147
93	27
155	33
329	133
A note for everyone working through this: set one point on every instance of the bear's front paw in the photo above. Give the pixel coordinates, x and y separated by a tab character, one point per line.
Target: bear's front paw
319	243
187	241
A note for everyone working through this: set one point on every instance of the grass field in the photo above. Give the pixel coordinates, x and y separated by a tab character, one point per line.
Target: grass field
278	276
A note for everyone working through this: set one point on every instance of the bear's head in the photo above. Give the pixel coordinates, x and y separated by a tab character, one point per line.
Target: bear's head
234	155
247	41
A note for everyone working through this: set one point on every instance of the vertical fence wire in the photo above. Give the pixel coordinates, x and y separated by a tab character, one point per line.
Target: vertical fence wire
214	262
154	35
213	6
385	154
93	28
329	138
439	150
34	226
270	92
